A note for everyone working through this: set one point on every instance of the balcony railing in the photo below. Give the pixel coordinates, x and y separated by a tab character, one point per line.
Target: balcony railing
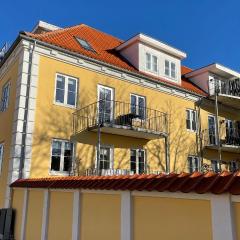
120	115
228	137
116	172
225	87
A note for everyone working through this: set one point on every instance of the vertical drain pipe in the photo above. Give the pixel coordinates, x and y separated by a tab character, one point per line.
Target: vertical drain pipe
217	125
23	147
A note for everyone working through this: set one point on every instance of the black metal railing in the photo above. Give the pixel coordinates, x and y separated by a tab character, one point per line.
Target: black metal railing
226	87
227	136
119	114
116	172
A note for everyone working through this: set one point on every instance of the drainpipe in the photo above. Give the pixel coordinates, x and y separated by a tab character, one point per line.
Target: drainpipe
24	134
167	158
217	124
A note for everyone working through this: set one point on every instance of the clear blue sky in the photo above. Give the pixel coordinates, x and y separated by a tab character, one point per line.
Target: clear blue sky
207	30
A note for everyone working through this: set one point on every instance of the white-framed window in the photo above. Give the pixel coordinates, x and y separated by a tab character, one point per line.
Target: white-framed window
215	166
170	69
1	155
193	163
66	90
61	156
106	157
191	120
151	63
137	161
5	97
138	106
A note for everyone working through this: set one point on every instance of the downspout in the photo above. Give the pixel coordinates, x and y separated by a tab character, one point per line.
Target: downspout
24	134
217	125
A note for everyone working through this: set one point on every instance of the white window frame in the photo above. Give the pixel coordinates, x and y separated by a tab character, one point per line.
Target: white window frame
151	63
65	104
191	120
193	157
111	163
137	158
6	85
1	156
61	172
137	104
170	69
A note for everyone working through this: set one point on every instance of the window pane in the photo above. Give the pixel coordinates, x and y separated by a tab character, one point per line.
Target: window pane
141	161
141	107
71	100
188	123
133	104
190	164
59	96
60	82
133	161
71	85
148	61
5	97
196	164
155	64
167	66
55	164
56	148
173	70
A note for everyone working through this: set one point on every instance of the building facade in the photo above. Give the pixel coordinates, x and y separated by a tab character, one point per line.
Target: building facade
77	101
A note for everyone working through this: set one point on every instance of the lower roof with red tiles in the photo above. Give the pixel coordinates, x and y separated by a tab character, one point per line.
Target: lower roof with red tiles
104	46
216	183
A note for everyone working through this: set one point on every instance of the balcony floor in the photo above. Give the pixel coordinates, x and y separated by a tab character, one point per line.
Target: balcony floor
225	148
228	100
128	131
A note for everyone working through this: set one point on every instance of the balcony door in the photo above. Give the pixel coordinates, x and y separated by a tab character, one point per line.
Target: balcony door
105	104
212	130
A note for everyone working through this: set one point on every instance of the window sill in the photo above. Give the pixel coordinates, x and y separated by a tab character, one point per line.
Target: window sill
192	131
64	105
59	173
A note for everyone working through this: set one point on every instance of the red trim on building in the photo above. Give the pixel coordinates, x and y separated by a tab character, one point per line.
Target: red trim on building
184	182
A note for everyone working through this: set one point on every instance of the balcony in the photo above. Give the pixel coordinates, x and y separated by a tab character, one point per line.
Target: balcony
228	91
119	118
229	139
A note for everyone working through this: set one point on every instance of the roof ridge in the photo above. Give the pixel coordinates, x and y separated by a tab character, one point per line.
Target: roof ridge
54	31
72	27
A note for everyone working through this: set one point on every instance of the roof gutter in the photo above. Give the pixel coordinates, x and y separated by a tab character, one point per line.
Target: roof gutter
39	42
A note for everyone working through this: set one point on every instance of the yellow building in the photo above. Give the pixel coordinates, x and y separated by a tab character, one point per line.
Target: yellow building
77	101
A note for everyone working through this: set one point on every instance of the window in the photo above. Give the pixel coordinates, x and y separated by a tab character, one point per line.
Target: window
151	63
215	166
191	120
106	157
193	164
1	156
5	97
138	106
233	167
170	69
62	154
137	161
66	90
84	44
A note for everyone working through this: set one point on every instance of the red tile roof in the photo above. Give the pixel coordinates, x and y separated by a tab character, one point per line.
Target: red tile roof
104	46
184	182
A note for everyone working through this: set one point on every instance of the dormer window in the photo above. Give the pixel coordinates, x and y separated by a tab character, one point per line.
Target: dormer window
170	69
84	44
151	63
